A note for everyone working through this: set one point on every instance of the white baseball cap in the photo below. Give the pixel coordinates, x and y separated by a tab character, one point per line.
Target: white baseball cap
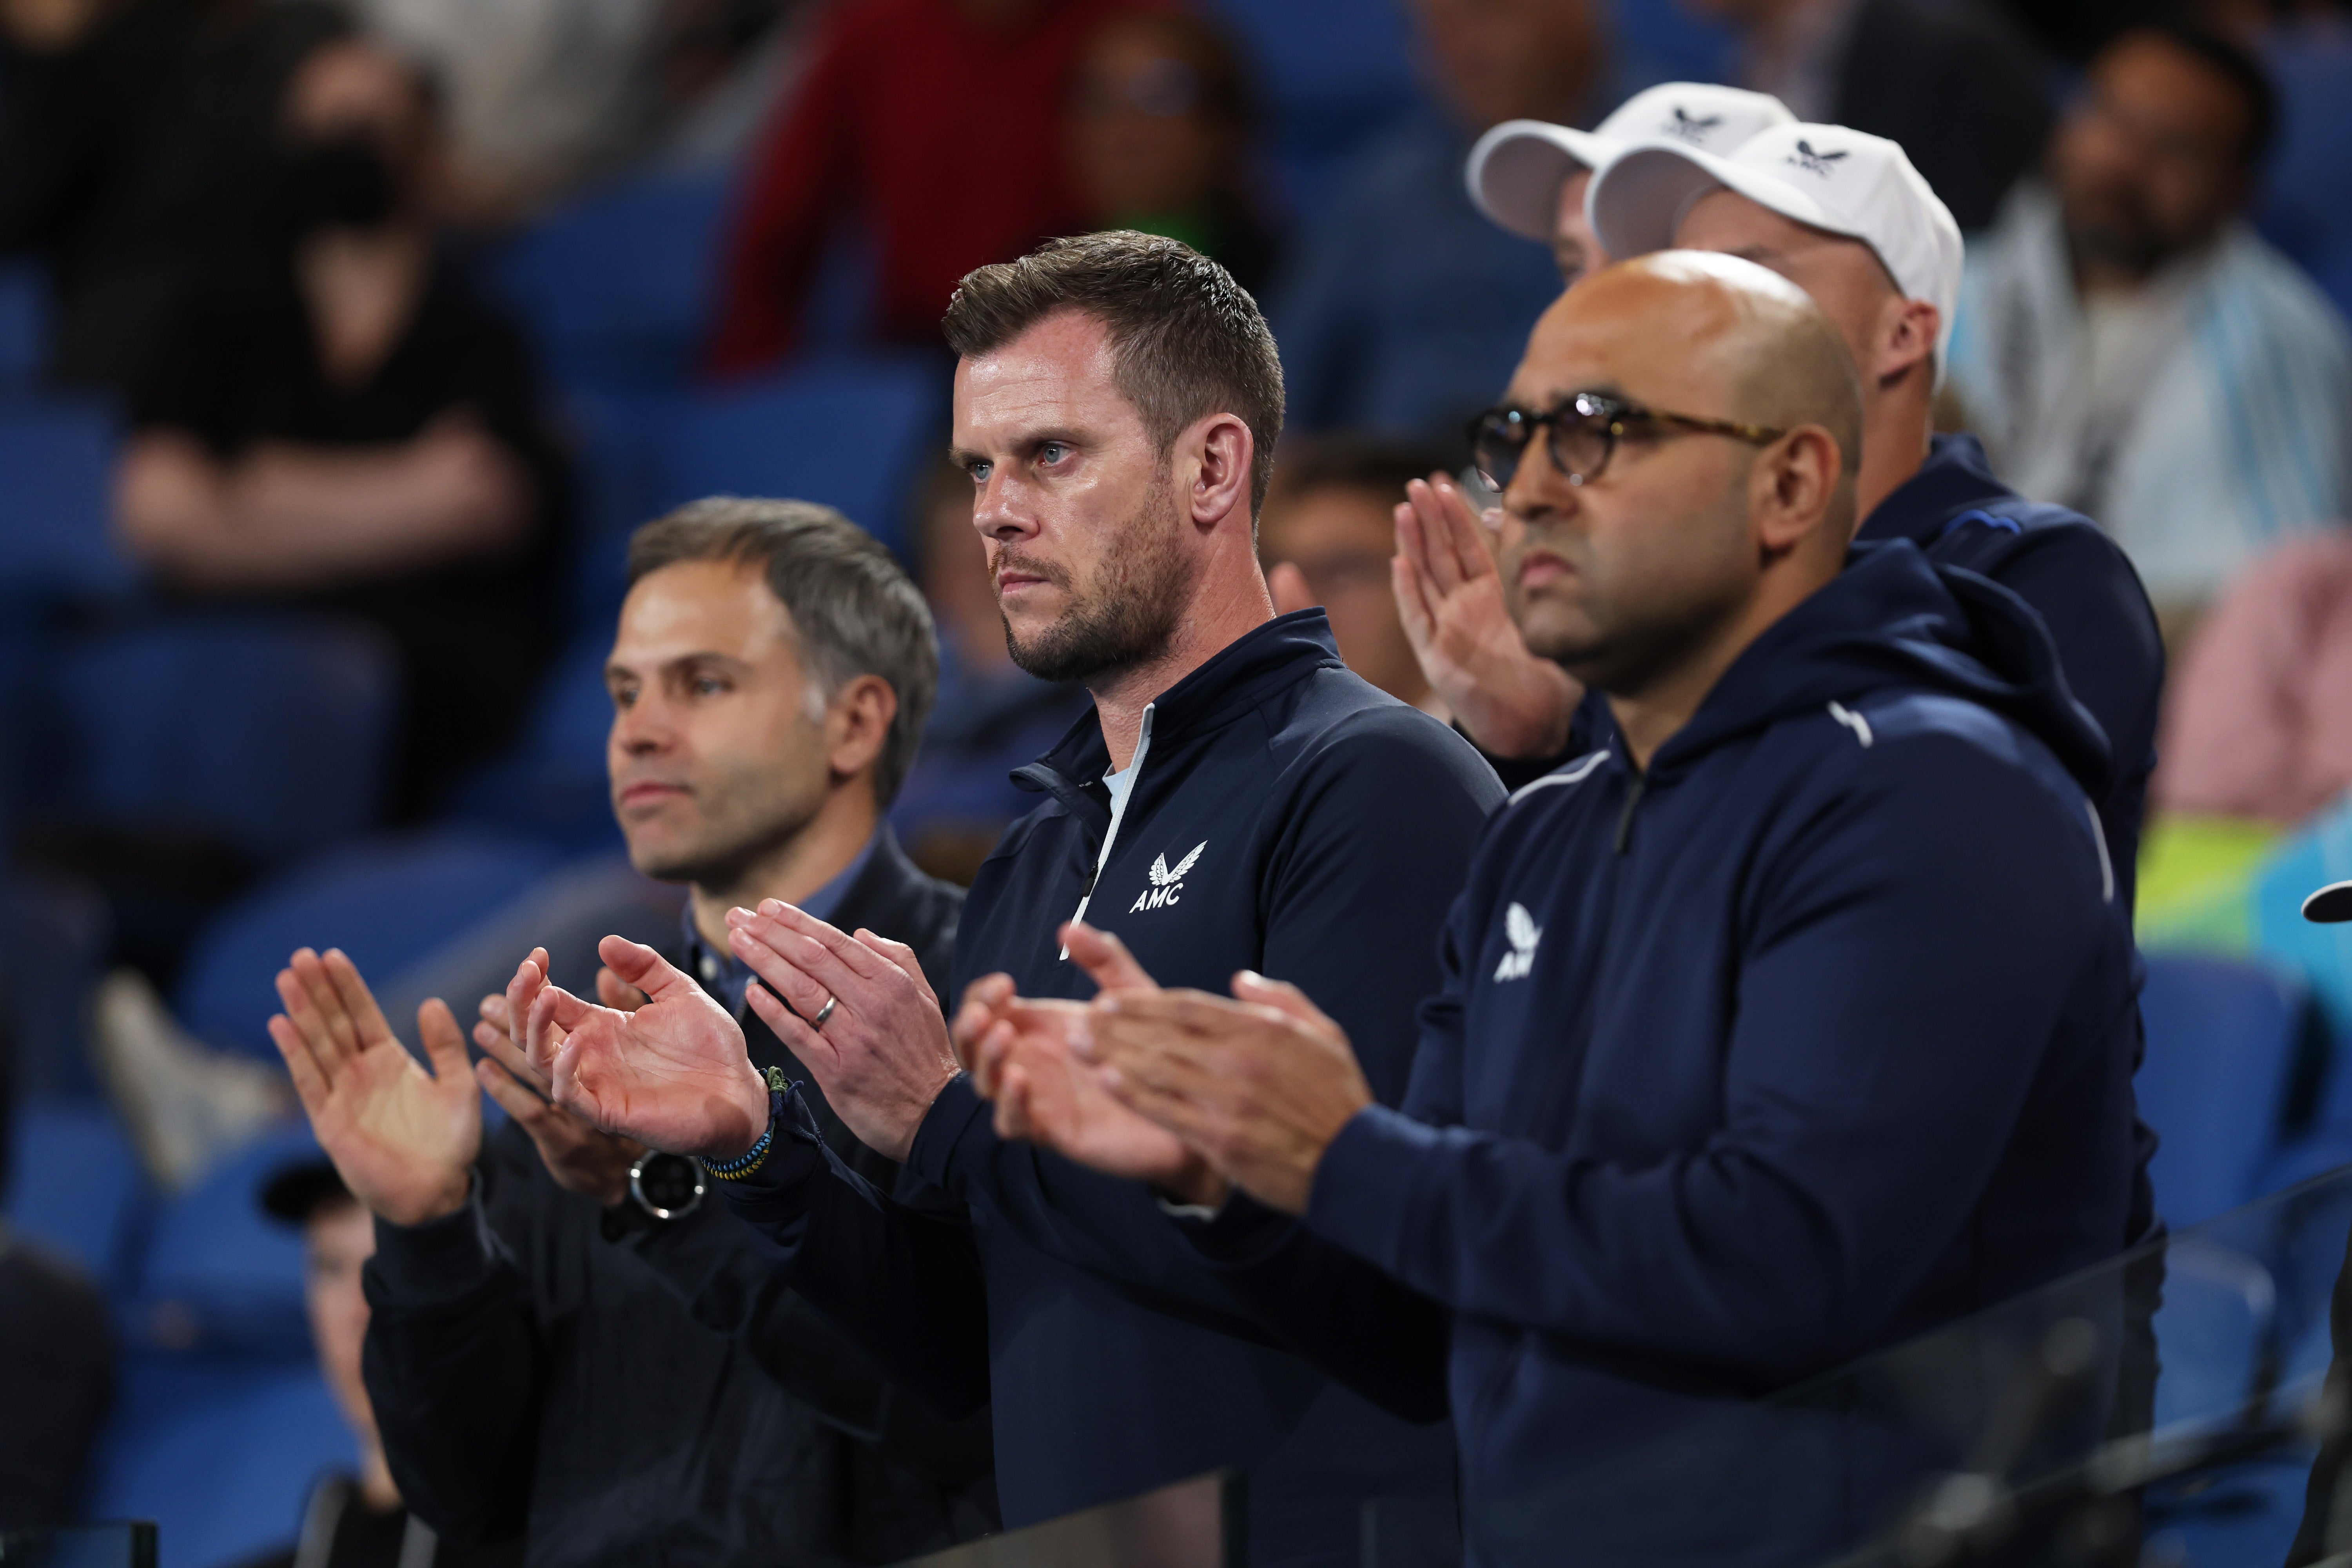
1824	177
1516	170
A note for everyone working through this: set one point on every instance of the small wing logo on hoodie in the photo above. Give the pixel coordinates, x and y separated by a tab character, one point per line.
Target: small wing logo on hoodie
1166	885
1524	933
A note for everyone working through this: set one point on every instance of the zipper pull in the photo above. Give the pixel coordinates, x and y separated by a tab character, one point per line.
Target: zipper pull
1626	819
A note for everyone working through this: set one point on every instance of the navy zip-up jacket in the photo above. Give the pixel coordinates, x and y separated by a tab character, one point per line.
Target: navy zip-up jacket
2078	580
1813	1036
1284	816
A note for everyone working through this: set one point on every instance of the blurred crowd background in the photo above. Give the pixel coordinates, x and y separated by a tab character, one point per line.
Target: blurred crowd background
341	344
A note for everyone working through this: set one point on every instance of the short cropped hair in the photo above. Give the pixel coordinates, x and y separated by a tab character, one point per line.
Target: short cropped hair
1350	460
2236	64
853	609
1186	340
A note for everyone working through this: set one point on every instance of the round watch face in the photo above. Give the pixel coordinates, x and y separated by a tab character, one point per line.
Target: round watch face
667	1185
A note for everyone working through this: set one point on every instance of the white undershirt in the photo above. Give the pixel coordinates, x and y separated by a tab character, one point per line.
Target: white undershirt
1121	785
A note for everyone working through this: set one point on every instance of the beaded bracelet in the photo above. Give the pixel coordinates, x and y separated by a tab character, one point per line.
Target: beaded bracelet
752	1158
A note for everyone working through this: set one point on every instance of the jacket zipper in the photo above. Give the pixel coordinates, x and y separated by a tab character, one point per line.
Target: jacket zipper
1626	819
1118	814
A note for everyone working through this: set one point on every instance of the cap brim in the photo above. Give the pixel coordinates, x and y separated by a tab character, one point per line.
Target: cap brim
1514	172
2332	905
1639	200
295	1192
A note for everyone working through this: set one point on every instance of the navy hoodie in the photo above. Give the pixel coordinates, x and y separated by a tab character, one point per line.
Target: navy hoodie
1816	1035
1285	816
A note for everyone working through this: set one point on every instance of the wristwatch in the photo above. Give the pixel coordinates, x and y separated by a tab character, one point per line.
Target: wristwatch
662	1188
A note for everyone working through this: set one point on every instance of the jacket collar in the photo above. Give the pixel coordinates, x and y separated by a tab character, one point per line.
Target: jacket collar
1955	477
1238	679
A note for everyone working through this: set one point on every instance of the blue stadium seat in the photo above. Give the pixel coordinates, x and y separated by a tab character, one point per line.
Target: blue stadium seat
58	457
75	1183
2225	1041
220	1275
618	288
388	902
273	732
851	433
55	936
221	1452
552	785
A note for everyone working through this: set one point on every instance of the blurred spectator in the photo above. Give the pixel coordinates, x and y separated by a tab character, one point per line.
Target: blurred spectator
57	1362
992	716
1327	536
1966	95
1530	176
937	124
2128	346
352	1522
1162	116
2257	723
547	95
1404	310
347	428
138	143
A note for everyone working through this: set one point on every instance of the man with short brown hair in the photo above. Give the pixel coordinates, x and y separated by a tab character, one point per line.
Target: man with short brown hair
1237	800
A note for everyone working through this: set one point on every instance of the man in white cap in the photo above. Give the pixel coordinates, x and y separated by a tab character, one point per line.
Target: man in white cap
1530	175
1846	218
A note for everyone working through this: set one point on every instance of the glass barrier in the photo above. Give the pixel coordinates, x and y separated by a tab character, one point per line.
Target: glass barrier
1188	1525
2161	1411
81	1546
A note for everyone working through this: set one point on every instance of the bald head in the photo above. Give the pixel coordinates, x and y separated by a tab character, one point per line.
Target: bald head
1714	488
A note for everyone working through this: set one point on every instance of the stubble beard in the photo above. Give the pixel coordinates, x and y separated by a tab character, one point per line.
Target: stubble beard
1126	617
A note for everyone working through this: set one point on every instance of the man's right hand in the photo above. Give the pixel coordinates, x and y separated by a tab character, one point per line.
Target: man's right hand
1450	596
580	1158
673	1074
403	1139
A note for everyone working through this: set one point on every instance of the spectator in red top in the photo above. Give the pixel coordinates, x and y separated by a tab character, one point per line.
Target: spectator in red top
942	120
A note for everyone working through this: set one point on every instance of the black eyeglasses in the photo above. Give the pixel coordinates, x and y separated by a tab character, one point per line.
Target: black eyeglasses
1584	433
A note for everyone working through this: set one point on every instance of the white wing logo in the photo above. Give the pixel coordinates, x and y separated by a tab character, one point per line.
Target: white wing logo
1162	876
1524	933
1167	886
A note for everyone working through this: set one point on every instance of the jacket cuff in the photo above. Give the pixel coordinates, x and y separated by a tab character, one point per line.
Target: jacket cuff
441	1260
956	1126
1370	1181
779	1193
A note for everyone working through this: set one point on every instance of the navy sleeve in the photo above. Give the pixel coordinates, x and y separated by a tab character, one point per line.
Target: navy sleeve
901	1279
2087	593
453	1366
1378	839
1909	951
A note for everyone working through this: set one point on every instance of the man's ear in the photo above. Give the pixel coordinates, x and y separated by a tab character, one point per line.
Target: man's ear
857	724
1796	486
1221	450
1907	336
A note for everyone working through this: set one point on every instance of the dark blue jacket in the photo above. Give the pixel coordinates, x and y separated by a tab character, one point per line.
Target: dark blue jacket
1286	817
2080	583
1814	1035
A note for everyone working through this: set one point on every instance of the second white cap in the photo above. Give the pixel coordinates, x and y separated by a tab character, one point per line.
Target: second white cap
1824	177
1516	170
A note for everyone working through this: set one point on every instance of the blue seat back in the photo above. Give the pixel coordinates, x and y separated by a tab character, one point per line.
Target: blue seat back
272	732
24	325
388	902
220	1452
58	460
2222	1045
75	1185
852	433
218	1274
618	288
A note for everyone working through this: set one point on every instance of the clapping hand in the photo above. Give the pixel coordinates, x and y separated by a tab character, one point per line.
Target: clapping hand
1020	1056
1451	599
403	1139
580	1157
673	1074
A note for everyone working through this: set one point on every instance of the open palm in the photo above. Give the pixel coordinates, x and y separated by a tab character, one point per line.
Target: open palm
404	1139
674	1074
